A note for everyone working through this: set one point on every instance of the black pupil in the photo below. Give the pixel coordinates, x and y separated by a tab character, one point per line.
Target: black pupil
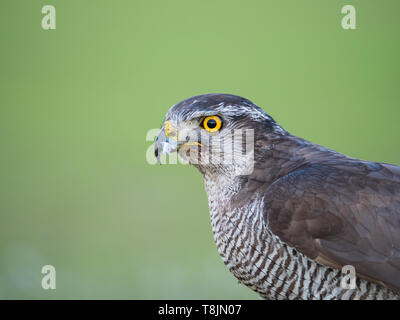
211	123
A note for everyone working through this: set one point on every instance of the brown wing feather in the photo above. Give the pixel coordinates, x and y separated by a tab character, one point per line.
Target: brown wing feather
341	214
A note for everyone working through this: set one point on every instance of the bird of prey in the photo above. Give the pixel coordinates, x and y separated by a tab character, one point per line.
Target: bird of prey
289	215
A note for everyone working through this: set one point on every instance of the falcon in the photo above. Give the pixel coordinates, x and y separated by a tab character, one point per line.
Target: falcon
289	216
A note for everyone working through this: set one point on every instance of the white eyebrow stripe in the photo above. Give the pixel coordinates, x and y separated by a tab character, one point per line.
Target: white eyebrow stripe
252	111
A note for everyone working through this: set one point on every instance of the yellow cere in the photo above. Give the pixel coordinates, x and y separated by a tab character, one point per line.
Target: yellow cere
167	128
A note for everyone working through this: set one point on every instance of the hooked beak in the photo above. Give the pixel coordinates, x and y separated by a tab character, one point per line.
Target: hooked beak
164	145
167	141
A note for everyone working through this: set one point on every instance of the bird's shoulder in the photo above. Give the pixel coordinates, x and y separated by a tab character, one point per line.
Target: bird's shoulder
339	213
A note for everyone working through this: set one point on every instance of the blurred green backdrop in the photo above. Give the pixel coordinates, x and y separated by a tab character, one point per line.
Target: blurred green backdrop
76	104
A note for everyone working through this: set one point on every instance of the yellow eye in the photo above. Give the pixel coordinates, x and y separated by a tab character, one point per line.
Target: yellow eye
212	123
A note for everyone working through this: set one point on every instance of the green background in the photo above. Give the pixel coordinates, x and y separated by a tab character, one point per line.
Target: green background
76	103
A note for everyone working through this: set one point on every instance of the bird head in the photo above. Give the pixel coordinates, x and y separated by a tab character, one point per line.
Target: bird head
215	132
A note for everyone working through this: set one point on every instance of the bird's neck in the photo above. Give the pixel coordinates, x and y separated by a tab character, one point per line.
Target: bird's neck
282	154
273	158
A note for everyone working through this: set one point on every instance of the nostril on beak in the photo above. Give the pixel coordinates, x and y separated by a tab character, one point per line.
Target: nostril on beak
156	152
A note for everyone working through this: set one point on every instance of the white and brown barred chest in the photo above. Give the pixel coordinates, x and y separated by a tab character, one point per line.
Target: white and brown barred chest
259	260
